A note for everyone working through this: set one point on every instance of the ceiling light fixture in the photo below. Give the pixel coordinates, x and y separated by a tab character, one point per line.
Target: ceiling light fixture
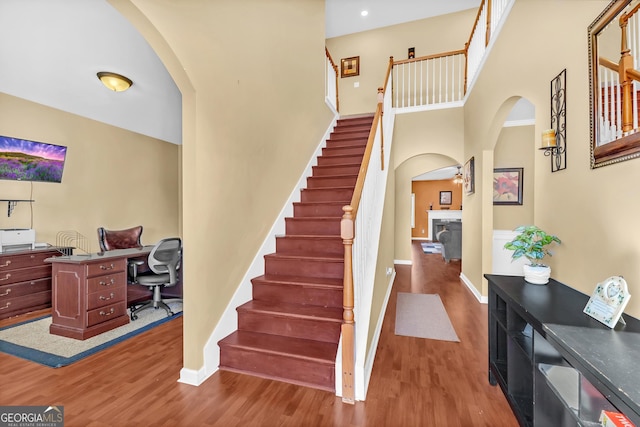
114	82
458	178
364	13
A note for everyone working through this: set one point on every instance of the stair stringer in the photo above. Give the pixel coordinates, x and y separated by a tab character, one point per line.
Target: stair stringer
228	322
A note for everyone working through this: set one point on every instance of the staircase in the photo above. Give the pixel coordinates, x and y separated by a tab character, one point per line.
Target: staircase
290	330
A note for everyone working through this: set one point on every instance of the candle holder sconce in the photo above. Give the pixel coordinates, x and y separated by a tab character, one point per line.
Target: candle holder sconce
554	140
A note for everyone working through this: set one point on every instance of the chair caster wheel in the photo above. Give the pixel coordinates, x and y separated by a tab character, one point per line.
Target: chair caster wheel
134	317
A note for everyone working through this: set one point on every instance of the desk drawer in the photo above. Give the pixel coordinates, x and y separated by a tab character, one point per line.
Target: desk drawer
24	303
24	288
106	267
106	297
24	274
11	262
108	281
108	312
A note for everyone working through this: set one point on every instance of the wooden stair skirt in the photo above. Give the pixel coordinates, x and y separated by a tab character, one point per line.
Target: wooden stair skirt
290	330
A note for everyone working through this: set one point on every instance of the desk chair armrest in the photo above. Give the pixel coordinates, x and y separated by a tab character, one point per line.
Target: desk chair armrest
133	269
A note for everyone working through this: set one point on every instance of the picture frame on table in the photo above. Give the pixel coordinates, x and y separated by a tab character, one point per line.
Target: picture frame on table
507	186
468	178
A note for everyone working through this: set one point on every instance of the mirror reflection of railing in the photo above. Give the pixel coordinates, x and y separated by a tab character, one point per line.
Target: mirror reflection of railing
445	77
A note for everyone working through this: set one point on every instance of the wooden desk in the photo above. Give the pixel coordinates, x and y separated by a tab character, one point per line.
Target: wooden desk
89	292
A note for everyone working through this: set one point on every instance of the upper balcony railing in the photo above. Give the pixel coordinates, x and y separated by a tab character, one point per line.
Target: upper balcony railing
443	79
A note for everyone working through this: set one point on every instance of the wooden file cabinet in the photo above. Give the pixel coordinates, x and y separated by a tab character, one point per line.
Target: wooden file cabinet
89	298
25	281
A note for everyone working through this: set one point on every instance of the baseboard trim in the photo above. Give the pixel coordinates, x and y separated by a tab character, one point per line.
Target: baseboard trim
402	261
481	299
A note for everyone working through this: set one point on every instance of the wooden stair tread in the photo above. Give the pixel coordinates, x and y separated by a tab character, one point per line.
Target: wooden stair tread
307	256
309	312
325	282
318	351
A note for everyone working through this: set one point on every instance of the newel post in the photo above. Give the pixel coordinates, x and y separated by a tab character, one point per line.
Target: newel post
348	349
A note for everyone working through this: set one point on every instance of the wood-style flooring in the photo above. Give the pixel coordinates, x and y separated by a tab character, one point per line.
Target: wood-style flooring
415	381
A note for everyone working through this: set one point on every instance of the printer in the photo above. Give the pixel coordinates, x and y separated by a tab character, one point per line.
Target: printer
15	239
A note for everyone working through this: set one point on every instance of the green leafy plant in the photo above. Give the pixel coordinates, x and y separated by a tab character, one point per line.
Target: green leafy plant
531	243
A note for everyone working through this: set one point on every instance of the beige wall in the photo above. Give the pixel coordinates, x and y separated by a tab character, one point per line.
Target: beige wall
429	36
593	211
516	149
112	177
252	79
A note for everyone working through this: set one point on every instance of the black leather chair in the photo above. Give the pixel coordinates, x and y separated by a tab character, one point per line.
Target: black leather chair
123	239
164	262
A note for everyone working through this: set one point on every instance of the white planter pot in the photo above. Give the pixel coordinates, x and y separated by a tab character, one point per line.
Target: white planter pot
536	274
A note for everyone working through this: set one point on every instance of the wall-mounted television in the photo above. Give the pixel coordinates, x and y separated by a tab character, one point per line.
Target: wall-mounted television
24	160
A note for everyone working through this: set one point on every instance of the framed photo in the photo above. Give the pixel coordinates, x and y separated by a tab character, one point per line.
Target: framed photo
468	179
507	186
445	197
350	67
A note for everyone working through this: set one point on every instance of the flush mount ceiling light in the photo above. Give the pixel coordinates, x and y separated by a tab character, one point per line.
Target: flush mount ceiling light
364	13
114	82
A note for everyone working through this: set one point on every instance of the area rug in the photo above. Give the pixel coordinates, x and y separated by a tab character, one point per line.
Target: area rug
32	341
423	316
431	248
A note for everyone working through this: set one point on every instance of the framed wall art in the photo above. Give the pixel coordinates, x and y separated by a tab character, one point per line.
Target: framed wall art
468	179
507	186
350	67
445	197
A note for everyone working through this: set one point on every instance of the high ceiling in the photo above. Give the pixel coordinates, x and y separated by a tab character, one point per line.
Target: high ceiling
51	50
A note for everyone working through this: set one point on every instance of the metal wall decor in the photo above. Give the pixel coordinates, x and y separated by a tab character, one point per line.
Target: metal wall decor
558	153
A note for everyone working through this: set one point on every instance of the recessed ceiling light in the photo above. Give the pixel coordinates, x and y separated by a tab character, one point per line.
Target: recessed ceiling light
364	13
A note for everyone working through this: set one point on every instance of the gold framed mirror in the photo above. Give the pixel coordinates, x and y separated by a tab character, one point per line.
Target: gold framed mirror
614	55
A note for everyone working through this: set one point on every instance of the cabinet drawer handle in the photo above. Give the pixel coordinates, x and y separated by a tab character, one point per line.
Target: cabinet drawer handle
103	298
6	277
6	264
6	293
107	267
5	306
109	313
109	283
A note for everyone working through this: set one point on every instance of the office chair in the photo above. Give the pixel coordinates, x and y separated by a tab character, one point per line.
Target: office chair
122	239
164	262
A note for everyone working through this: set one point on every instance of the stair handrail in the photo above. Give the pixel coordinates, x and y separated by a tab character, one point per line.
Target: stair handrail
348	226
331	81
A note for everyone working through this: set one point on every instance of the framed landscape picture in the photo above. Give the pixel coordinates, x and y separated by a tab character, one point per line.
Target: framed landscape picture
468	180
507	186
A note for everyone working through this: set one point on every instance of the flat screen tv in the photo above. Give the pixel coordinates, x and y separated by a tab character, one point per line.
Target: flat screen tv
24	160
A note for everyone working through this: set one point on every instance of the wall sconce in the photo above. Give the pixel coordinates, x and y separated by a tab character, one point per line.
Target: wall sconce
552	148
114	82
554	141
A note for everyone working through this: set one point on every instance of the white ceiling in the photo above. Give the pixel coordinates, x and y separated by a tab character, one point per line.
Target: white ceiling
51	50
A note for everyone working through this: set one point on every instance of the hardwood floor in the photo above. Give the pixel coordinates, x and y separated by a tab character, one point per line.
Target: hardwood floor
415	381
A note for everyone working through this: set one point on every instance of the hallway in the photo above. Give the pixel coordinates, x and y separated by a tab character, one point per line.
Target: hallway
415	382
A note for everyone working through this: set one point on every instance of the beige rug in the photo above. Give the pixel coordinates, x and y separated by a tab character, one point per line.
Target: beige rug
423	316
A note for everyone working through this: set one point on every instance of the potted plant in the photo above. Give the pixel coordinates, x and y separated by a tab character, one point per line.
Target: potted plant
532	243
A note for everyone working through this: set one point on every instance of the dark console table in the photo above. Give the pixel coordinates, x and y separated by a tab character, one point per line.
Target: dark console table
556	365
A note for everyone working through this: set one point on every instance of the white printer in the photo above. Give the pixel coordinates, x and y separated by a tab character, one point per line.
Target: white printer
15	239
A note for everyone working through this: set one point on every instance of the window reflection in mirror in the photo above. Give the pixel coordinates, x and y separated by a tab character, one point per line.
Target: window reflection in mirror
614	50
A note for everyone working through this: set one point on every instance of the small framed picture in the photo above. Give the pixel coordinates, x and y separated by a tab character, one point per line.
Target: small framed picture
445	197
468	179
507	186
412	52
350	67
